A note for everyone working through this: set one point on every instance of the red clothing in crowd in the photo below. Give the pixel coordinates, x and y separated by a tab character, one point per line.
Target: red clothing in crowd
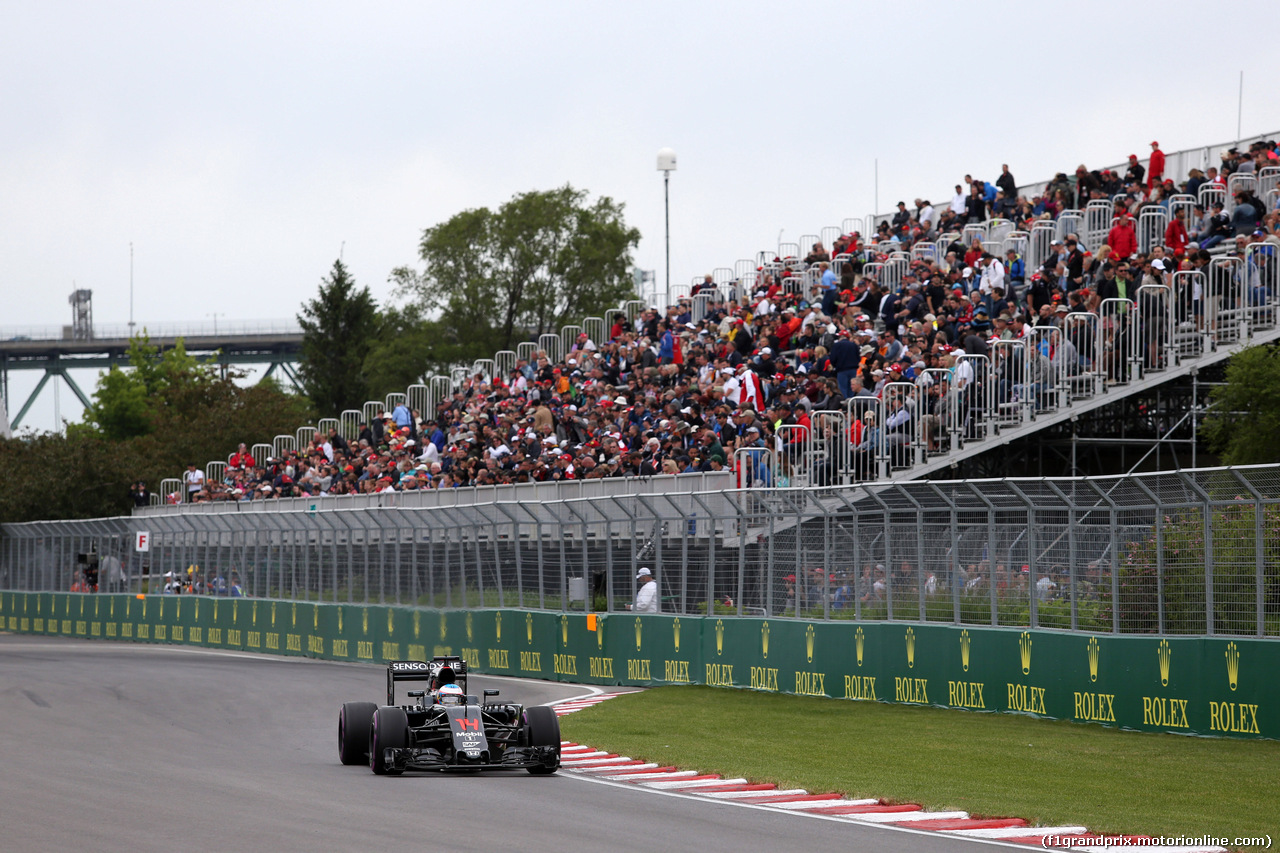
1156	170
1175	237
1122	239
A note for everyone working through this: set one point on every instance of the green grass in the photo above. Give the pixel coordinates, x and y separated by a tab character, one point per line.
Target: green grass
990	765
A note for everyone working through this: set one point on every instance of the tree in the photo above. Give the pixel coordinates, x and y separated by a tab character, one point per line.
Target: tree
128	402
542	260
1243	426
338	327
406	349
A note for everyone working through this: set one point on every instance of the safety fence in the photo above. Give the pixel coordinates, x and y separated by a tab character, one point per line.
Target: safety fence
1219	687
1178	553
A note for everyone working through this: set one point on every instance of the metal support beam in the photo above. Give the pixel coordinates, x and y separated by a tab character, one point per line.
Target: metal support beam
34	394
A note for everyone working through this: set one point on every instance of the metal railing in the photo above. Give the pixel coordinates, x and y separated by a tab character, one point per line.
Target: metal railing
1187	553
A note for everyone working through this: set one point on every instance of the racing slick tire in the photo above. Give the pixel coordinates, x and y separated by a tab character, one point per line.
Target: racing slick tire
353	732
542	728
389	730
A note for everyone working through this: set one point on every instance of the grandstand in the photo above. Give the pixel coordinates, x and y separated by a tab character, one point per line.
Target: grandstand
906	349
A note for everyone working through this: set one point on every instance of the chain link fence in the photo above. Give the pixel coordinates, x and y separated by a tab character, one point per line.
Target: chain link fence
1194	552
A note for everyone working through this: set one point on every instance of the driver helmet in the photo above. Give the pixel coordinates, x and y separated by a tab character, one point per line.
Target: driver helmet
451	694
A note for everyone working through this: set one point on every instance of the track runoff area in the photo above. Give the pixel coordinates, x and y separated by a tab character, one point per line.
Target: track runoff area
600	765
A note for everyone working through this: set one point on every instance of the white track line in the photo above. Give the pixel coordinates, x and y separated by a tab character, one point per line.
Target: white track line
609	769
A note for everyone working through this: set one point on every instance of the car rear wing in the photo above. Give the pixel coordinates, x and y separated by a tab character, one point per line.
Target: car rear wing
449	668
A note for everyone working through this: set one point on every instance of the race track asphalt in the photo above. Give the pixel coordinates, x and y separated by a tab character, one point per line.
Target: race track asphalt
123	747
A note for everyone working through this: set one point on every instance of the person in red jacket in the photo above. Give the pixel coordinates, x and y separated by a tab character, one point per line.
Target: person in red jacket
1155	170
1175	236
1122	239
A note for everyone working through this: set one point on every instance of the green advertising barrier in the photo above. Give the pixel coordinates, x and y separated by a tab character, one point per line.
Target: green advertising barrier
1193	685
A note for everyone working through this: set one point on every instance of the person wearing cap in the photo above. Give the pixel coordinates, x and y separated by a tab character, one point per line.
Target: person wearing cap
647	595
1136	173
1122	239
1155	172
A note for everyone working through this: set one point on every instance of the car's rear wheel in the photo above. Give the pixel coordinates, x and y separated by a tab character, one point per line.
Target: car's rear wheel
389	730
353	732
542	728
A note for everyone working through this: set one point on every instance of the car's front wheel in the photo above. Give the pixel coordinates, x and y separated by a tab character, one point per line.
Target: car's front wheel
389	730
542	728
353	732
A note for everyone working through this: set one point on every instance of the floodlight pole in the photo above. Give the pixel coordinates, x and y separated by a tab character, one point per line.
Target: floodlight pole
667	165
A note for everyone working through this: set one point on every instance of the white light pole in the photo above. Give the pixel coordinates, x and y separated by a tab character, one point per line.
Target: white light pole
667	165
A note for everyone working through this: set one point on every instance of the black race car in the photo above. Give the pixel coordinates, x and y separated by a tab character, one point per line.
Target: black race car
446	728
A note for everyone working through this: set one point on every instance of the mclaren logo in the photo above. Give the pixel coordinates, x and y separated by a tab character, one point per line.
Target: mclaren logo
964	649
1233	665
1163	652
1024	651
1093	658
470	627
719	637
911	648
808	643
764	640
564	630
528	627
675	633
859	639
639	625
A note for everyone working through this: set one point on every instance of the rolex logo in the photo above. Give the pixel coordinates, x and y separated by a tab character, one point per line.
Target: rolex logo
391	622
364	618
235	610
719	636
273	614
764	640
964	649
911	648
96	602
417	623
339	620
564	630
497	625
113	607
600	632
1093	658
1233	665
197	609
1164	653
444	626
128	606
161	609
808	643
1024	651
858	640
469	626
638	628
528	627
675	633
315	616
253	614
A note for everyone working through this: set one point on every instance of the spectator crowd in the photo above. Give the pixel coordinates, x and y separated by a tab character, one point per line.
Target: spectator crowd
683	389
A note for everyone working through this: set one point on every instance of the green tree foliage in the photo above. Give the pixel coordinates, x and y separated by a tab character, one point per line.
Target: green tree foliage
147	423
1243	427
338	327
540	261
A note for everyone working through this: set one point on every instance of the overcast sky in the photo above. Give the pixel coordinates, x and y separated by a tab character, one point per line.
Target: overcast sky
241	147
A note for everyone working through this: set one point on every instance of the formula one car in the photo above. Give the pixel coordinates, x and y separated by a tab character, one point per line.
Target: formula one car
445	728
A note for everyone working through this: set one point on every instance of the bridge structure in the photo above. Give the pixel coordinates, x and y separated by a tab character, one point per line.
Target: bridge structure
57	350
